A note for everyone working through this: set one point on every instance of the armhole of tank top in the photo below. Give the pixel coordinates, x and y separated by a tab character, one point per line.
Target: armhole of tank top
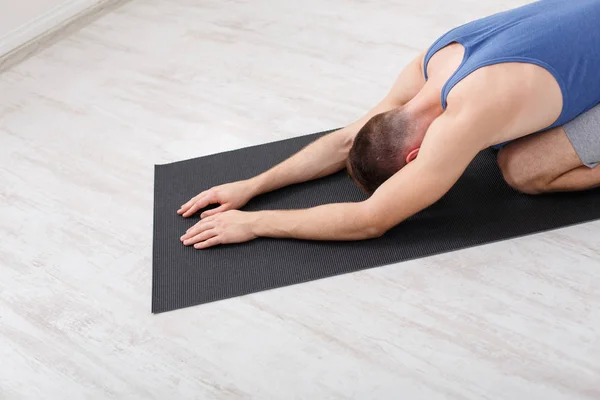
439	44
457	76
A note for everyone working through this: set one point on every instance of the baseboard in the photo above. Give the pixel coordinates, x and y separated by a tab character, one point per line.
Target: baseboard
46	29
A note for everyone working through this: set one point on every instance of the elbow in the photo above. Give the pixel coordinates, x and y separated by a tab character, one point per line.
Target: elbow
374	223
373	232
347	140
373	228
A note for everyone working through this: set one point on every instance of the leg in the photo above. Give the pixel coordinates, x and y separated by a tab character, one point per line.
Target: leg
547	162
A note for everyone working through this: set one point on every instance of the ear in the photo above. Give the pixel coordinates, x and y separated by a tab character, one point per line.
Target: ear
412	155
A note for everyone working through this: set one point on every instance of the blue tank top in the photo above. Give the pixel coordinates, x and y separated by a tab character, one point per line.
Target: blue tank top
562	36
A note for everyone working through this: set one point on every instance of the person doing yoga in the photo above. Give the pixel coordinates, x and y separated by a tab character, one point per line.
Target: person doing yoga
525	81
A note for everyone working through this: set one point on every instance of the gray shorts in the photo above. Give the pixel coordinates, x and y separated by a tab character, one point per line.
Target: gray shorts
584	134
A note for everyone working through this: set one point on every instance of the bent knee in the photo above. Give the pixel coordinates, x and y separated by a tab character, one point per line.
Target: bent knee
517	172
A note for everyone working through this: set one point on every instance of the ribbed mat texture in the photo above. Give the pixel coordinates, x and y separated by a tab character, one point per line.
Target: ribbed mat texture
480	208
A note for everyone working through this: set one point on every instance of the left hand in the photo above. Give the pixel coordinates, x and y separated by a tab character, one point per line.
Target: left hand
231	226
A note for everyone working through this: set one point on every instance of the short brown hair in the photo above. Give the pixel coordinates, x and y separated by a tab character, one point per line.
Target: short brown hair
379	149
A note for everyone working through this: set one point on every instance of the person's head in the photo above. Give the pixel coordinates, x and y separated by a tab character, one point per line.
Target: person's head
385	144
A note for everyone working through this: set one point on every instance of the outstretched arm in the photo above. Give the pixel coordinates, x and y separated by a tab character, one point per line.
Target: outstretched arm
449	146
323	157
443	157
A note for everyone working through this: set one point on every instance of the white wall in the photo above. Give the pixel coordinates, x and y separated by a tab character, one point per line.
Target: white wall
23	20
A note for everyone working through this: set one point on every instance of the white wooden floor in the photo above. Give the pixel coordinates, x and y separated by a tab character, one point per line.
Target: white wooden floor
83	122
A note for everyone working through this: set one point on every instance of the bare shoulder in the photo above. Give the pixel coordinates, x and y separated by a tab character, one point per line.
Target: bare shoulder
459	128
508	100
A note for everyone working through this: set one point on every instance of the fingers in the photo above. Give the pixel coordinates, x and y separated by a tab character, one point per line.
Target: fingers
196	229
208	243
187	205
200	203
200	237
214	211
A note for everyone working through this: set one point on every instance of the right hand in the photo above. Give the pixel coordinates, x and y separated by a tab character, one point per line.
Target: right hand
230	196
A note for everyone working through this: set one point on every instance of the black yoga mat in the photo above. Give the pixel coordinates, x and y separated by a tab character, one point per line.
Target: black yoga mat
480	208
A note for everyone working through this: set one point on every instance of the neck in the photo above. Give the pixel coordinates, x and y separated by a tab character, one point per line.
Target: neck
425	107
